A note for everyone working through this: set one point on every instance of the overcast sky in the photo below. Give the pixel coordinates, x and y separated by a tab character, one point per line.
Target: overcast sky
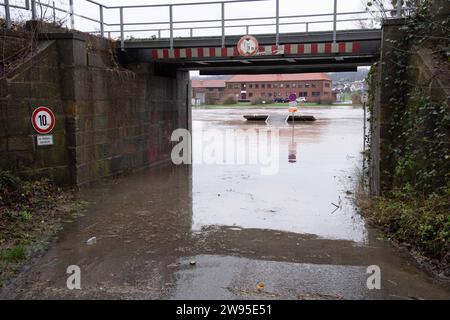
201	12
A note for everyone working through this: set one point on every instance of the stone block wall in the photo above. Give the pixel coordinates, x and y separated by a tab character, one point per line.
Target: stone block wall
35	83
110	119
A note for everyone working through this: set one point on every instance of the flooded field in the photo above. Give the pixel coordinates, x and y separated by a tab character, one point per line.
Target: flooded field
216	229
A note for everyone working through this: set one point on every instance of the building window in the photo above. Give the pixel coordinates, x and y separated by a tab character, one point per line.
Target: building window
313	85
300	85
303	94
256	86
281	85
263	94
263	86
230	86
236	86
220	89
294	85
316	94
327	84
250	85
275	85
306	85
269	86
270	94
250	94
327	93
210	89
288	85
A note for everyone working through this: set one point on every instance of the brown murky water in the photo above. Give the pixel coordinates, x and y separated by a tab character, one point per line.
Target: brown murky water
294	229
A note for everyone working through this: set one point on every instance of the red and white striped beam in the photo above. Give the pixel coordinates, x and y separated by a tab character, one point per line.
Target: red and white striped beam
286	49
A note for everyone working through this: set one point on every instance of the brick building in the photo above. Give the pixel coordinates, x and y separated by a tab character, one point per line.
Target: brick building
208	91
315	87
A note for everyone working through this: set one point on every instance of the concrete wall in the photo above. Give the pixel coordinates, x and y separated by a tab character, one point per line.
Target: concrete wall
110	118
34	83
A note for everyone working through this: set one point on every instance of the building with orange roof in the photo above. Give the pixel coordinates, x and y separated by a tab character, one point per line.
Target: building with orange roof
314	87
208	91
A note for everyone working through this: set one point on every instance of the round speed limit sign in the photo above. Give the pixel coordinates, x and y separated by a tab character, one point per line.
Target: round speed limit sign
43	120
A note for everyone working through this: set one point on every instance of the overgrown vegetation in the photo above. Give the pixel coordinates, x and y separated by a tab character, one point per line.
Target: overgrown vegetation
415	210
229	100
257	101
30	213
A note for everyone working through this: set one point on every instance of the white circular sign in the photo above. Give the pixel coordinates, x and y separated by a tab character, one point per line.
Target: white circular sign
248	46
43	120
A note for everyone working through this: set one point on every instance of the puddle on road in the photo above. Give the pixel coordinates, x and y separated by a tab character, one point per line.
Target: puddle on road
239	226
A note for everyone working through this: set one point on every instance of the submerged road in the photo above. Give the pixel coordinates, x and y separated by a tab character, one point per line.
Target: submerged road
216	230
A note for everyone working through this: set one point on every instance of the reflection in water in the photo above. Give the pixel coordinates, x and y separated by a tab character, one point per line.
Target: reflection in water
299	197
292	157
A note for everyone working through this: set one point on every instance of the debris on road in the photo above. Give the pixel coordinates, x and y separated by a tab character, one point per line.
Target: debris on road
91	241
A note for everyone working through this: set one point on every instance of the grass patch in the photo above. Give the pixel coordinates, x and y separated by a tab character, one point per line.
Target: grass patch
419	223
248	105
15	254
31	213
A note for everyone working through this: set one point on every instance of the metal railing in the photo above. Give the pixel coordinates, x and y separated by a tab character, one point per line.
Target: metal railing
123	27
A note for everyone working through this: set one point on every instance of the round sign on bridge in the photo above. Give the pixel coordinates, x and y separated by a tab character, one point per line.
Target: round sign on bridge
248	46
43	120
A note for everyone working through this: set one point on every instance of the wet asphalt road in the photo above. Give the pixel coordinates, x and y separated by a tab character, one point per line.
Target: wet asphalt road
296	229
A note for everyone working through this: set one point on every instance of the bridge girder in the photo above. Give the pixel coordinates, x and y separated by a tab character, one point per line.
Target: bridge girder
354	48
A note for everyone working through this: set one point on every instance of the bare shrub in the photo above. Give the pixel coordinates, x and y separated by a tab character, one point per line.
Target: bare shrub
229	99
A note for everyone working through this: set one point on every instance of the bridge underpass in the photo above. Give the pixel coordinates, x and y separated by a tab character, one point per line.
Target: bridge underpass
150	227
296	52
161	51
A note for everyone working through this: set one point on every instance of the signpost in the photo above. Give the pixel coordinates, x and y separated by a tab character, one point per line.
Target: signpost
43	121
293	97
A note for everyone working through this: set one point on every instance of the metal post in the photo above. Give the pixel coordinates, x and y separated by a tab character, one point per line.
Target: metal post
159	34
277	37
72	17
191	32
7	14
54	12
122	31
334	21
364	137
102	25
171	26
223	24
33	9
307	27
399	8
27	5
247	30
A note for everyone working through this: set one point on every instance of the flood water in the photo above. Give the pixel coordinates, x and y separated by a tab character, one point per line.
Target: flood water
216	229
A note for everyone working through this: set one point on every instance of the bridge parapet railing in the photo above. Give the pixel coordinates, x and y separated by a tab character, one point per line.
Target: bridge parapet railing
114	20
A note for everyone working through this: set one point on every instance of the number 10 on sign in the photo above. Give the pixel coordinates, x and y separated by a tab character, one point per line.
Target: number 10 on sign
43	120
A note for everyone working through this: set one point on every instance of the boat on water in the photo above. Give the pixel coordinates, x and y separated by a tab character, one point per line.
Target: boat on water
256	117
301	118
